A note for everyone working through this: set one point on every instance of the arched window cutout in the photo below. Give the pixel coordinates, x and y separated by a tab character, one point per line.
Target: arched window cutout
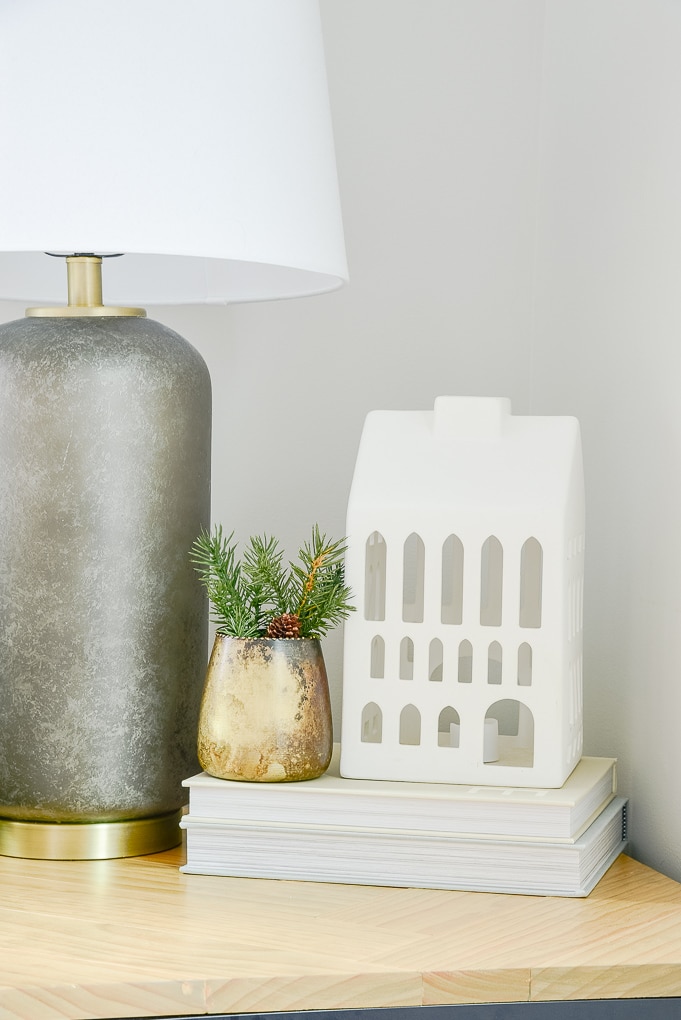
435	661
531	567
410	725
575	701
575	606
448	727
525	665
375	558
413	574
465	671
377	658
516	733
494	655
491	582
452	580
406	659
372	724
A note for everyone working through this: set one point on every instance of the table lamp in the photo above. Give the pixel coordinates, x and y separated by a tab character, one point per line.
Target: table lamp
186	149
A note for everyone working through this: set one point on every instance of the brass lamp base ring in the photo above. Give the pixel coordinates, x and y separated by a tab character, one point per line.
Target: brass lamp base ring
89	841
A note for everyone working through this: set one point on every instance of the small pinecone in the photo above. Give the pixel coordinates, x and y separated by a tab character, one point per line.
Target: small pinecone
285	626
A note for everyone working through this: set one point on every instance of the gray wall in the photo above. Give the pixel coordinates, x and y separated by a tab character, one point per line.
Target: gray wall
510	173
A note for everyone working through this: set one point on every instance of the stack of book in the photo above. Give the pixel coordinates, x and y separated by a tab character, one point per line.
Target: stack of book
429	835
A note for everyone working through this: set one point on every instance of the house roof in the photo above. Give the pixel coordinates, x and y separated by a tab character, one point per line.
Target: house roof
470	452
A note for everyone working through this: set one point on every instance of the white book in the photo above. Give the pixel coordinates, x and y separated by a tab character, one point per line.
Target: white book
411	858
494	811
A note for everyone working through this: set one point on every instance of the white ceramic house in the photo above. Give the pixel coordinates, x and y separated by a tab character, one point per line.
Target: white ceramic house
463	662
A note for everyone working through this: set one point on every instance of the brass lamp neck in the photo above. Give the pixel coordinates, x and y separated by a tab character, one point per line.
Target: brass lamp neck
84	279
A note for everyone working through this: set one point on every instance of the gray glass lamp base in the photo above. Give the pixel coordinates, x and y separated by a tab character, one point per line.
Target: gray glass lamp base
104	485
89	841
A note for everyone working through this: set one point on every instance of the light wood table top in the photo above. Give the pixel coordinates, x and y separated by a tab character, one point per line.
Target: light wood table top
136	937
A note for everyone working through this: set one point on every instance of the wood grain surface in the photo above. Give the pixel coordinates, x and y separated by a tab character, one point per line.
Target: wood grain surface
136	937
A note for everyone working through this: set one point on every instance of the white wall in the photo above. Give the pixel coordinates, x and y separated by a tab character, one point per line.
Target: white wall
511	187
607	347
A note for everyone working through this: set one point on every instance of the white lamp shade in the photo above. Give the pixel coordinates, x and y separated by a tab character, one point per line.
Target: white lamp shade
193	137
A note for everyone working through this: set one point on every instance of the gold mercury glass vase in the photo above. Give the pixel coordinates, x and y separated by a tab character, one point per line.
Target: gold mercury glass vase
265	712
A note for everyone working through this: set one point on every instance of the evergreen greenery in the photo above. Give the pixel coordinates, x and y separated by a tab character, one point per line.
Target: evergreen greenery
249	595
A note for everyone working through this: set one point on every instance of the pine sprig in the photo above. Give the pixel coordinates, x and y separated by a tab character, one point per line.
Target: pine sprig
251	595
235	608
324	600
266	578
